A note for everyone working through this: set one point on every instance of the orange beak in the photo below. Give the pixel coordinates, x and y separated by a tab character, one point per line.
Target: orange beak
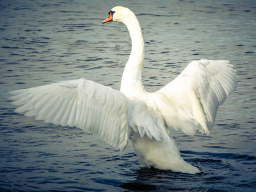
110	18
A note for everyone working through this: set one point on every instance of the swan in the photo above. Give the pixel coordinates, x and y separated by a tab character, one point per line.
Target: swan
188	103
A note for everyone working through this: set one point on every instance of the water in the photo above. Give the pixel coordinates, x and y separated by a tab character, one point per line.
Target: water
47	41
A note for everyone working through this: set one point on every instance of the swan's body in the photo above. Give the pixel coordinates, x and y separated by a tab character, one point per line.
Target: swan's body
189	103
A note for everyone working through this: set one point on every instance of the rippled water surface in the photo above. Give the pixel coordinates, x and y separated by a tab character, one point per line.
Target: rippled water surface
47	41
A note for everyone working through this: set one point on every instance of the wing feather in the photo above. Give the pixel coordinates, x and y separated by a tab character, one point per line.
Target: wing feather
52	113
45	108
66	113
59	115
72	117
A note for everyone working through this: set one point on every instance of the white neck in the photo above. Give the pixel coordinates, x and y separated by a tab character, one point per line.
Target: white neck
131	79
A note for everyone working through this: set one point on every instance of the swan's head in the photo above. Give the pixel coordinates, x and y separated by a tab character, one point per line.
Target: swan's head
119	14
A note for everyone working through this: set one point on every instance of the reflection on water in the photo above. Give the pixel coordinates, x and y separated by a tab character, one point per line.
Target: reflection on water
47	41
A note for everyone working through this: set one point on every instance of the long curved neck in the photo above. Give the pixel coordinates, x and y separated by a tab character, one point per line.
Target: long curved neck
131	80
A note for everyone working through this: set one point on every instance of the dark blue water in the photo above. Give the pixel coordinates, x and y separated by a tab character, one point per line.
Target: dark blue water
46	41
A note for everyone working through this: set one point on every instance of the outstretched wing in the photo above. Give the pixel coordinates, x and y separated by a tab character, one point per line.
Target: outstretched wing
87	105
190	102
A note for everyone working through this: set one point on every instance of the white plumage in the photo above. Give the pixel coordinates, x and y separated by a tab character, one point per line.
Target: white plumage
189	103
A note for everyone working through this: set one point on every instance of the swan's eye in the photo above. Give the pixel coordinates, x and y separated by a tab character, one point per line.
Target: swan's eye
111	12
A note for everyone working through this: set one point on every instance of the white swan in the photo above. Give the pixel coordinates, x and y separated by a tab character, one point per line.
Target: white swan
189	103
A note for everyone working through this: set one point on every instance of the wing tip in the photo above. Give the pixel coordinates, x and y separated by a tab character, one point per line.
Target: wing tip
17	92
